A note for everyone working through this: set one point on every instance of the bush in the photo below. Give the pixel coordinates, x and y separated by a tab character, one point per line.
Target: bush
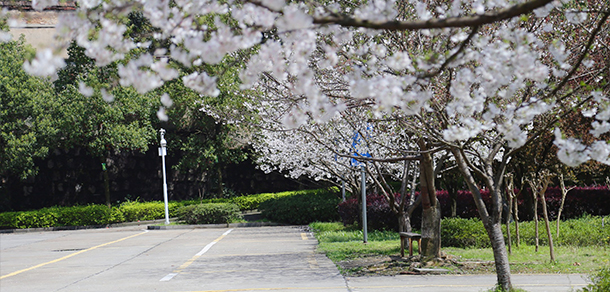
252	202
601	281
34	219
212	213
463	233
302	207
585	231
83	215
379	214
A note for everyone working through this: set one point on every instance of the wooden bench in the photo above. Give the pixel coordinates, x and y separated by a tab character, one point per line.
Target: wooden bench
409	236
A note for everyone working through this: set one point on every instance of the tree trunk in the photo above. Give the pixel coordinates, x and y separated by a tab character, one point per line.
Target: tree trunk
516	218
220	187
431	215
106	182
547	225
431	229
494	230
510	211
535	197
492	224
404	222
564	193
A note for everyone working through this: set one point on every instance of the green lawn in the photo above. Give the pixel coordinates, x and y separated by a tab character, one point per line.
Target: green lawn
345	244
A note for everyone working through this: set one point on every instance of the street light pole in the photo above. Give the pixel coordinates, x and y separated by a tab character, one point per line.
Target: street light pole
162	153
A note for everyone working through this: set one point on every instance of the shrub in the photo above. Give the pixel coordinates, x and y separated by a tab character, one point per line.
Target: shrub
379	214
212	213
252	202
463	233
302	207
34	219
83	215
601	281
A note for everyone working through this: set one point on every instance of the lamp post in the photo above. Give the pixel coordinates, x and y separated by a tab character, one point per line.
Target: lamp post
162	153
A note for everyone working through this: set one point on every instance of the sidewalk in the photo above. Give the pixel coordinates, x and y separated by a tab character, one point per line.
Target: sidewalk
465	283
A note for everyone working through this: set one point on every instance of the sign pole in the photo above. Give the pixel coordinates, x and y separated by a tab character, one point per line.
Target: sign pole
364	223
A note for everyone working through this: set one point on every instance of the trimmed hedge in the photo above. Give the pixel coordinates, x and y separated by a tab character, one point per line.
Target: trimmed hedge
59	216
302	207
130	211
212	213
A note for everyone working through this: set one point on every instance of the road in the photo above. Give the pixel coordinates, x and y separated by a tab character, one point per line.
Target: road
224	259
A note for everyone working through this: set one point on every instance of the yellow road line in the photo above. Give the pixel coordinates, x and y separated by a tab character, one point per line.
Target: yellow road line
271	289
304	236
68	256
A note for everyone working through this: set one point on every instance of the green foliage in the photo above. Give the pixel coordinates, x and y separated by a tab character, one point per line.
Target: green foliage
83	215
584	231
302	207
58	216
213	213
132	211
252	202
459	232
601	281
28	109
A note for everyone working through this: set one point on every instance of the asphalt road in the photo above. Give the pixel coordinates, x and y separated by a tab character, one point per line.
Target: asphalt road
224	259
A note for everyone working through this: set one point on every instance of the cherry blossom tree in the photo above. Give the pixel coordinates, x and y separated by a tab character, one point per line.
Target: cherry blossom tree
468	77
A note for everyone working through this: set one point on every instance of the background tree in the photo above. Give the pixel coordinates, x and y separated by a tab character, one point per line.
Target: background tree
28	111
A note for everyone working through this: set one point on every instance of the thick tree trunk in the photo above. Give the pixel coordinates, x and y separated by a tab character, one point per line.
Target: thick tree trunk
404	222
431	214
431	229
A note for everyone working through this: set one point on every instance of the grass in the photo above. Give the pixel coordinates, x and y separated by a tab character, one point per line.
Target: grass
525	260
340	244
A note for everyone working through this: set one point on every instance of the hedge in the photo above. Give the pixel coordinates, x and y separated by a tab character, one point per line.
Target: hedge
302	207
129	211
579	201
212	213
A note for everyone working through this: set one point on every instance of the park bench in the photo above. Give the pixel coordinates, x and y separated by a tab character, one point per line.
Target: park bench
410	236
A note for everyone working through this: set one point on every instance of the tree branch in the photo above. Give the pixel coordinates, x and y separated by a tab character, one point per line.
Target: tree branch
462	21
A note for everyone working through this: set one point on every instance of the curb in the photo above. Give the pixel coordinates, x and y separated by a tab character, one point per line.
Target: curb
205	226
64	228
140	223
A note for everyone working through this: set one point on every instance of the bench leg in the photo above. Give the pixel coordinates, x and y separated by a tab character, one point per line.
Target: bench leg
402	247
410	247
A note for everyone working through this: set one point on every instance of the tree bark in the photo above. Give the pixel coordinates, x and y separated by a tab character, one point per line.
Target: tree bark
537	235
431	215
510	211
516	218
492	224
547	225
564	193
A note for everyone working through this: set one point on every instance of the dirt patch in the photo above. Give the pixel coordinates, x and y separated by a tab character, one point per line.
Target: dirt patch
396	265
